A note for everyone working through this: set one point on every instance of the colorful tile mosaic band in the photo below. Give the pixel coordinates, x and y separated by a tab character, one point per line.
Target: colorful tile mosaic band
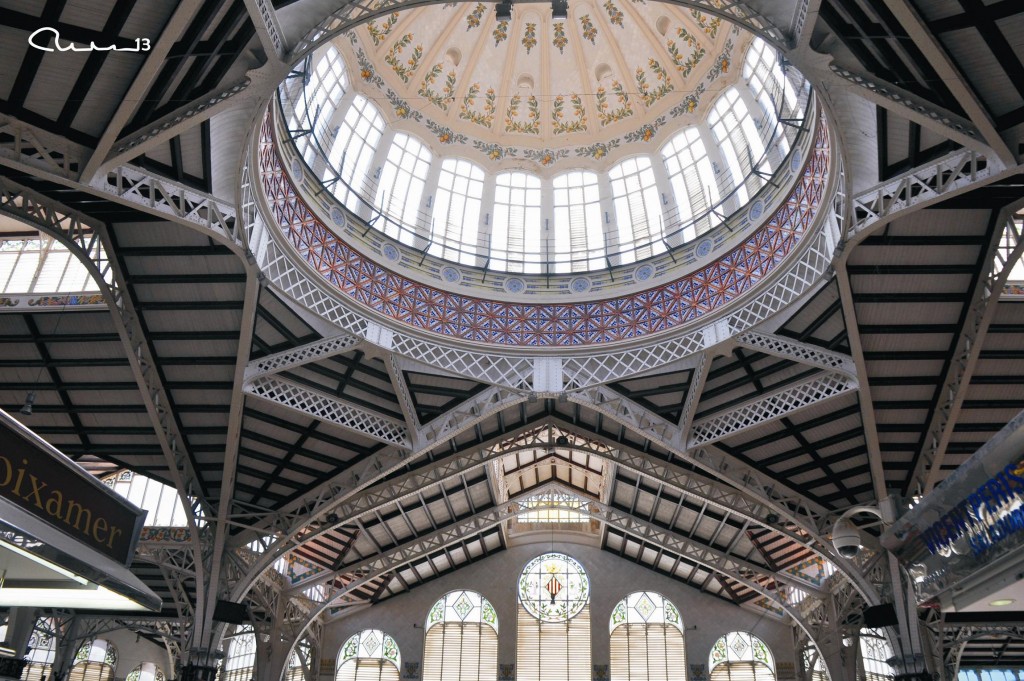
467	318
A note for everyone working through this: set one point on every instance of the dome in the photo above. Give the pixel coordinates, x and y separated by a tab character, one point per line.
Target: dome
540	145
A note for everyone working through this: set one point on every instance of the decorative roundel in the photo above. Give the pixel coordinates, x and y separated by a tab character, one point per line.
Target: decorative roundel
337	217
451	275
756	210
296	167
794	161
554	587
643	273
579	285
703	248
390	253
515	285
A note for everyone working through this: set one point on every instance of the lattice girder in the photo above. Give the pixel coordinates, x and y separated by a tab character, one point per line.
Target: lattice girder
802	353
303	354
328	408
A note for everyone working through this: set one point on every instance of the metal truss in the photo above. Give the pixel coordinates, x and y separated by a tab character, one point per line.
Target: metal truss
284	530
950	175
166	198
264	18
770	407
804	353
331	409
31	149
912	106
1004	249
87	241
693	392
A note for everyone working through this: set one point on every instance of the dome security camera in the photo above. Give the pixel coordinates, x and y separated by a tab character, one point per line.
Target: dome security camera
846	538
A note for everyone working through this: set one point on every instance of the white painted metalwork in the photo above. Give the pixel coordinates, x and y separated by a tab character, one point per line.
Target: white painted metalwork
804	353
770	407
310	352
328	408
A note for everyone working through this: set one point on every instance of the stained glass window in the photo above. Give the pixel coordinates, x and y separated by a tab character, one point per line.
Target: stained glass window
646	639
739	656
147	671
370	655
241	657
43	644
461	642
554	587
875	652
553	642
95	660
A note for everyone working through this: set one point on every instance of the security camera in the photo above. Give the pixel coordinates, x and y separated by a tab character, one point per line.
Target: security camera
846	538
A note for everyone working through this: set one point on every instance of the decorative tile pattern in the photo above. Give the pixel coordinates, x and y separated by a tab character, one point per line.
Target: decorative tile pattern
654	310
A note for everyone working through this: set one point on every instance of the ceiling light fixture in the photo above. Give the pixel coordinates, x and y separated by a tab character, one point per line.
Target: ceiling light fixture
1002	602
30	399
503	11
559	9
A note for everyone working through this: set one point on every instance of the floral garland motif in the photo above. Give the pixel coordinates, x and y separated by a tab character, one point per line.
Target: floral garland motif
646	131
500	32
439	99
607	116
404	70
530	126
473	20
402	108
494	152
378	34
446	135
560	41
710	28
366	71
485	118
686	65
614	13
689	103
562	126
589	32
530	37
722	62
545	157
598	150
650	96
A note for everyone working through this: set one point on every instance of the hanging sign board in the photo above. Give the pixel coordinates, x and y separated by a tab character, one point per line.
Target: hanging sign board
43	482
970	525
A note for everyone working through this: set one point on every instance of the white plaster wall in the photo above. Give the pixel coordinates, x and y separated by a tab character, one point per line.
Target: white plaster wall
706	617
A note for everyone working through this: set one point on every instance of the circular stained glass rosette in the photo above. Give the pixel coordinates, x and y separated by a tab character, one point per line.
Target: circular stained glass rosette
554	587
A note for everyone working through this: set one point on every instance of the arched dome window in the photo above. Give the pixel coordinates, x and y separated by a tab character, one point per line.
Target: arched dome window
146	671
401	186
646	639
461	642
875	653
96	660
553	640
370	655
739	656
325	83
456	214
516	234
352	151
579	235
637	207
767	82
739	141
241	658
693	181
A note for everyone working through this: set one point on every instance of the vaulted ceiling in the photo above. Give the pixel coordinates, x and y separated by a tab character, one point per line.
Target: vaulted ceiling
353	451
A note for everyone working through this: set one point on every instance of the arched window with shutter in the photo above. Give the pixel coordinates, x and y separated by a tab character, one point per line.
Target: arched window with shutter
146	671
553	637
370	655
646	639
739	656
875	653
241	658
43	644
96	660
461	642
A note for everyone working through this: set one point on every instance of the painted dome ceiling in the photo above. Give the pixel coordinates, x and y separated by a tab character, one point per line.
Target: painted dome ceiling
611	74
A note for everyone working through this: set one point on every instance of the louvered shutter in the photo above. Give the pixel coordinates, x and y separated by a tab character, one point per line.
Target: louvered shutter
742	671
553	651
91	671
647	652
367	669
